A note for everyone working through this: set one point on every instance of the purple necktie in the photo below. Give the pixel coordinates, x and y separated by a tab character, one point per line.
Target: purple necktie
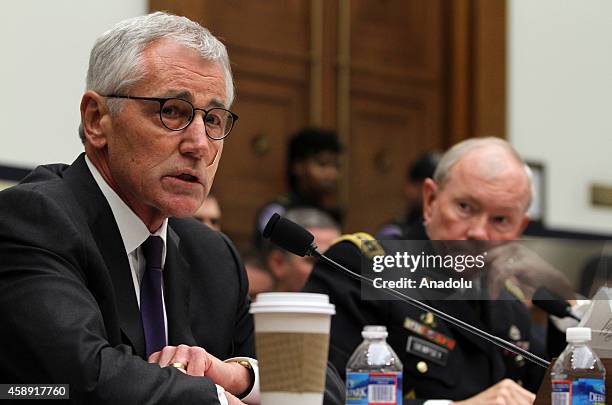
151	304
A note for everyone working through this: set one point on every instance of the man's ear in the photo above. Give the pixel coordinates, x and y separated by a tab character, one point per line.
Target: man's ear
430	189
94	113
277	264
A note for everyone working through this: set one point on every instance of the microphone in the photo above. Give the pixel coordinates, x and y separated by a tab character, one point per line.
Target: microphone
295	239
552	303
289	236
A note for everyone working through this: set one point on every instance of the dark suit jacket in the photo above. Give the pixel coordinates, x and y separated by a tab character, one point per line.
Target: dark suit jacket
67	302
471	366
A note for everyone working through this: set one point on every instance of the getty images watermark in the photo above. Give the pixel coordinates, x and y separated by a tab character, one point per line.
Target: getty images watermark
408	262
484	270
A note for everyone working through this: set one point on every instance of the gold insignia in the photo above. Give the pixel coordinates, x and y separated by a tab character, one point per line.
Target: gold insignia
422	367
365	242
515	290
411	395
428	319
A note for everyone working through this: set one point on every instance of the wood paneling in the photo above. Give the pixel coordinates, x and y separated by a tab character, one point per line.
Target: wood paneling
489	67
397	38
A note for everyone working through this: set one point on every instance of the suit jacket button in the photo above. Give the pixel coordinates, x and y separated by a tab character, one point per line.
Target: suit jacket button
422	367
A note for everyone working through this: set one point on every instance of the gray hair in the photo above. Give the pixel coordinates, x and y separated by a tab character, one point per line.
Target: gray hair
311	218
306	217
459	150
115	62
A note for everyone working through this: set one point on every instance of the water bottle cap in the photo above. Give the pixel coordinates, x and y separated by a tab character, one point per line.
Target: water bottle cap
374	332
578	334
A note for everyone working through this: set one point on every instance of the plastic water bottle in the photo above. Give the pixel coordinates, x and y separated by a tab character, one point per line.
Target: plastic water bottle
374	372
578	376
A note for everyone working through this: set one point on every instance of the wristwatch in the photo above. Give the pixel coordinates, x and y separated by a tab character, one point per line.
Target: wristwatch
246	364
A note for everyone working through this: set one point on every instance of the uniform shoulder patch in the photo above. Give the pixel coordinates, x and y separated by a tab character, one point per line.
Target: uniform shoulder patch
364	242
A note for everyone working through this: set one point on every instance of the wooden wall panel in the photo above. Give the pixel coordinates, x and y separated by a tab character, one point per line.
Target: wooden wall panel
384	137
396	102
396	37
489	67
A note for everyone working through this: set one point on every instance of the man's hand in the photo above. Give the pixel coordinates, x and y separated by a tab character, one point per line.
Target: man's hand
233	377
519	264
505	392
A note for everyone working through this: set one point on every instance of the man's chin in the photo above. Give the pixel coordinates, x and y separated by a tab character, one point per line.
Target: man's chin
183	207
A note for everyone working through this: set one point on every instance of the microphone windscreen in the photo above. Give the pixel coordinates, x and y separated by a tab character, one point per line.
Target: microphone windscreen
550	302
288	235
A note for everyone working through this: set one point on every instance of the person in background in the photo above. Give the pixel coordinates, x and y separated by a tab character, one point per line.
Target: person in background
480	191
260	279
106	283
209	213
422	168
313	160
290	271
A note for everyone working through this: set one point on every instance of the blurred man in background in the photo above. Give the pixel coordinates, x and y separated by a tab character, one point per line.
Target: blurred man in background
290	271
422	168
259	279
209	213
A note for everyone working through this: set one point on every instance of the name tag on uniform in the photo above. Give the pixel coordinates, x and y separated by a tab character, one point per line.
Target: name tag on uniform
427	332
427	350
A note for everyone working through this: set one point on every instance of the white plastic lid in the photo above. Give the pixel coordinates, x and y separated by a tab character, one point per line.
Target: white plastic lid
578	334
374	332
307	303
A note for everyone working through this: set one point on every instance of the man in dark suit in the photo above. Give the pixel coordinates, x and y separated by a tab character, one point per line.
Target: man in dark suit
480	191
98	288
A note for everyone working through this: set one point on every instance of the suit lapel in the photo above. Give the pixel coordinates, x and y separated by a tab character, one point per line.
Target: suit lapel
176	293
108	239
113	251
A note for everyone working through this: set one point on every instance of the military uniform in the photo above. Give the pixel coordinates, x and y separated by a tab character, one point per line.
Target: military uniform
441	361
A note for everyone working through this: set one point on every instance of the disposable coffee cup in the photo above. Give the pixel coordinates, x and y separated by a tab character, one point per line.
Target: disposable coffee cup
292	343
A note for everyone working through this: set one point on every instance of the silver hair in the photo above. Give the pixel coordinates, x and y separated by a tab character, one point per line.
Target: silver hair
116	59
311	218
459	150
306	217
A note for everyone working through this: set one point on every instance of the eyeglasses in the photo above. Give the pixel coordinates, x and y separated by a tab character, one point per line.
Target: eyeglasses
176	114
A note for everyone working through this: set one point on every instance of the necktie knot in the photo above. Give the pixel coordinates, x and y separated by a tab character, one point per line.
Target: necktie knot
152	249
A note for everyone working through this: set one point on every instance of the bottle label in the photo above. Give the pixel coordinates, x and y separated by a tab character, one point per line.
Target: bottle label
374	388
561	392
582	391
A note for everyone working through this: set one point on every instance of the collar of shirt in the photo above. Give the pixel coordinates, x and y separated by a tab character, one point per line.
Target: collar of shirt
133	231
